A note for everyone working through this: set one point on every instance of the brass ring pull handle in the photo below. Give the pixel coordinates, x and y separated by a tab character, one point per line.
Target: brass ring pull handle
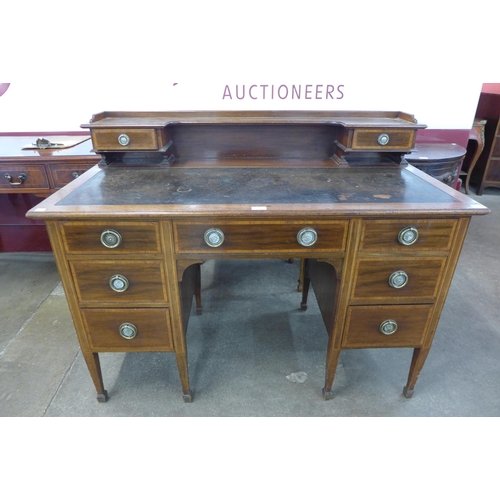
408	236
123	140
118	283
307	237
213	237
388	327
21	178
383	139
111	238
128	331
398	279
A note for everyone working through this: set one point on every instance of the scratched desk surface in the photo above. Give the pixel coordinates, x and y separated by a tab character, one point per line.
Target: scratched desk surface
228	186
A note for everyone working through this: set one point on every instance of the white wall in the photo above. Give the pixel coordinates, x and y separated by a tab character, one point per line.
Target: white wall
388	55
64	107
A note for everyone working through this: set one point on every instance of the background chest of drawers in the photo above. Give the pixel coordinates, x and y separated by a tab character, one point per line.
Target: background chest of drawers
42	171
487	172
28	174
380	240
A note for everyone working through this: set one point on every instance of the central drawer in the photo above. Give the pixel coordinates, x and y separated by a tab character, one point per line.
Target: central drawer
105	327
260	237
119	281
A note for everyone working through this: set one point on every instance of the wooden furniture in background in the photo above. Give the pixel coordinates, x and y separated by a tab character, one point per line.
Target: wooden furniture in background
490	171
440	160
42	171
25	175
486	172
475	147
380	240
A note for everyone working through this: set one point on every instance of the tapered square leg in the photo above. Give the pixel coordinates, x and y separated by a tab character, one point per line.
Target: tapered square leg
182	366
305	283
417	363
94	367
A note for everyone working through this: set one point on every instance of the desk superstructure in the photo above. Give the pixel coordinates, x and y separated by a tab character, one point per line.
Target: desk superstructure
380	239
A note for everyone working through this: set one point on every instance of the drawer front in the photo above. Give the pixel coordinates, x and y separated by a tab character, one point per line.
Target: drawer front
363	326
495	149
22	177
260	237
64	174
493	173
134	237
124	139
383	139
133	281
152	326
411	279
381	235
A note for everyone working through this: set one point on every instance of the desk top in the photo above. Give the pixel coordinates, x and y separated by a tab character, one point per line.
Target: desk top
14	147
255	192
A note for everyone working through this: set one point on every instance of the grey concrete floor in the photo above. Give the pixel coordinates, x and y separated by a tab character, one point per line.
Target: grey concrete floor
250	337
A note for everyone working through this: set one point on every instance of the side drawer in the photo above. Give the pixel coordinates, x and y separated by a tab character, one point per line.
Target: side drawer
134	237
21	177
383	139
152	327
260	237
124	139
363	326
411	278
64	174
119	281
383	235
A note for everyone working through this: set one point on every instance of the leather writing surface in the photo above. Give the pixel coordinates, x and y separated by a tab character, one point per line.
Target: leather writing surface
261	185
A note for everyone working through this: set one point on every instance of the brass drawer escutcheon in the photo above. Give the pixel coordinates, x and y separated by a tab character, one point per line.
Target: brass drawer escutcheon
111	238
123	140
408	235
383	139
398	279
128	331
388	327
214	237
118	283
307	237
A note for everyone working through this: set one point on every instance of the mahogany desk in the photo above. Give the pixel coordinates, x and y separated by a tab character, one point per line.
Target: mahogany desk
380	239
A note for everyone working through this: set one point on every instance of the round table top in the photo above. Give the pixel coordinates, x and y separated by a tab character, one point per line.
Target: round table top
427	152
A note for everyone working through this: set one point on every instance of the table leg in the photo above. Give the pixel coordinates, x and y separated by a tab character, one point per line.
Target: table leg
300	285
417	363
182	366
306	281
332	360
94	367
197	289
